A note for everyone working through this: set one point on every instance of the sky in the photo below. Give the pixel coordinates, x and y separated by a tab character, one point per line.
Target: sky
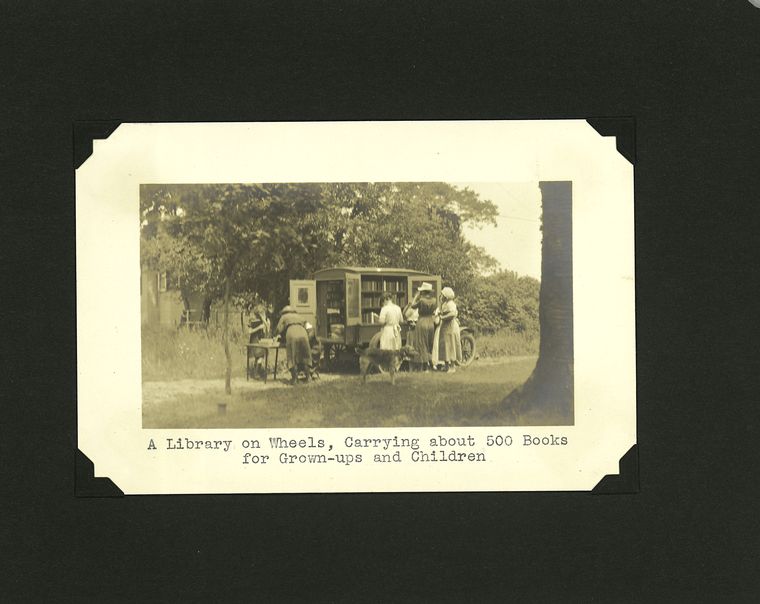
516	241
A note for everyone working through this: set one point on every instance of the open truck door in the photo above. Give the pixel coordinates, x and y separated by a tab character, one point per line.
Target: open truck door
303	298
416	280
353	308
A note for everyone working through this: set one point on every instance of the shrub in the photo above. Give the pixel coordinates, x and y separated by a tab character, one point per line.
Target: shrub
505	342
500	301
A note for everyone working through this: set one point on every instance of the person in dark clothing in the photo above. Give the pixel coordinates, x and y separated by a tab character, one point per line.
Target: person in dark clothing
291	329
421	338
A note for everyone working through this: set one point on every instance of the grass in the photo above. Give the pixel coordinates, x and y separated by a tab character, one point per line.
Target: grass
469	397
176	354
506	343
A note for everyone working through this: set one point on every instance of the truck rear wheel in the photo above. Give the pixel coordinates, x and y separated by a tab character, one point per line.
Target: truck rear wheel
332	354
468	348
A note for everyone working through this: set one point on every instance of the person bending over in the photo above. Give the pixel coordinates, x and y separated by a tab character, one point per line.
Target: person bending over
291	329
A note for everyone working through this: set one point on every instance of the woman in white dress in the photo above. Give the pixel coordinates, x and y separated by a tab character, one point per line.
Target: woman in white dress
391	318
447	345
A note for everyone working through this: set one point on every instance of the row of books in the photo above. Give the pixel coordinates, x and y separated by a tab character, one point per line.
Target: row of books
379	285
394	286
372	300
373	285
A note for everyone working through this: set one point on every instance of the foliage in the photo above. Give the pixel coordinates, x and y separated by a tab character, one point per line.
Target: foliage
502	300
409	225
211	234
260	236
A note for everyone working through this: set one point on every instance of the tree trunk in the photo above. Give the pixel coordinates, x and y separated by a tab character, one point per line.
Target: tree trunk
548	392
280	297
226	338
206	309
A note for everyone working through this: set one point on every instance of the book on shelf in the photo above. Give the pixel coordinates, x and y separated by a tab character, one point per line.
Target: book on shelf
395	285
370	317
371	285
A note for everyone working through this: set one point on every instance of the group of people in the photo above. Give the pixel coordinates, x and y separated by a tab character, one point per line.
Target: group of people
301	345
433	330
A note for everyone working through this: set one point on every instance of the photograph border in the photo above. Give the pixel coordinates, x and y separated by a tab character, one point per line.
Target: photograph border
612	468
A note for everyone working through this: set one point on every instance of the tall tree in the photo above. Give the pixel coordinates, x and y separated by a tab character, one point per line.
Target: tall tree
165	246
413	225
550	387
233	234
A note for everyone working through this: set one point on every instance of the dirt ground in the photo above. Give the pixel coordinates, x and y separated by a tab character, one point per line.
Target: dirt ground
156	392
336	398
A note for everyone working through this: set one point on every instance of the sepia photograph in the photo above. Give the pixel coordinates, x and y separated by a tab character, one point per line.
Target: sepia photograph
356	306
353	304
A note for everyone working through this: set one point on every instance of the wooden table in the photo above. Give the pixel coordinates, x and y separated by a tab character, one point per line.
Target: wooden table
266	348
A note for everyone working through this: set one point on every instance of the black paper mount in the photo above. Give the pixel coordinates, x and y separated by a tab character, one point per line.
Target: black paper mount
85	133
87	485
623	129
626	481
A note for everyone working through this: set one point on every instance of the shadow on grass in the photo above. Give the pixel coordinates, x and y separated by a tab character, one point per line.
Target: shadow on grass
469	397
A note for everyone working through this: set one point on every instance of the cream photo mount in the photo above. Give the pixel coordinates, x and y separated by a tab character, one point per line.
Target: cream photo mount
116	455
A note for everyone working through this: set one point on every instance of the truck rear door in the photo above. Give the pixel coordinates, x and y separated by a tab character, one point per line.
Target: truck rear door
416	280
303	298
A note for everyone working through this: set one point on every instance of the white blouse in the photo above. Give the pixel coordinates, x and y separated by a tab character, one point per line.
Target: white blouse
390	314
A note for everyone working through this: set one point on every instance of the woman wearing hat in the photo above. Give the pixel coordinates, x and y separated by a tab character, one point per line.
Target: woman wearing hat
291	327
450	346
421	338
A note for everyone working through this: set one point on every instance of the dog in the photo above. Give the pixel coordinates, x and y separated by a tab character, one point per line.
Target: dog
386	359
